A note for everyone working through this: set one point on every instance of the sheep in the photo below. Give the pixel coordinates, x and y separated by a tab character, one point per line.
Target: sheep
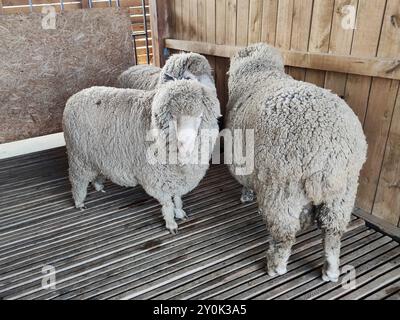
309	150
179	66
110	132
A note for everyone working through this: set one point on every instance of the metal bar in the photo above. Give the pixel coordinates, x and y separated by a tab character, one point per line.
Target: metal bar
135	48
31	5
146	31
90	4
62	5
110	3
118	3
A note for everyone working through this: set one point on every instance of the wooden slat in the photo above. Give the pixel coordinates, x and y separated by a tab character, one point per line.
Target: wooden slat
242	28
319	37
340	43
269	21
302	14
255	21
387	292
284	24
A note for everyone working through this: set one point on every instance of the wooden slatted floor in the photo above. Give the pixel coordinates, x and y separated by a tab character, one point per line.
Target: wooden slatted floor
119	249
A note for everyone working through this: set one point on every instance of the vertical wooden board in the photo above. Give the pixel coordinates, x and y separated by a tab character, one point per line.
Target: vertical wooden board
255	21
320	36
243	8
230	36
186	20
211	20
171	19
302	12
202	20
284	24
340	43
178	19
387	202
220	21
193	15
389	45
269	21
377	124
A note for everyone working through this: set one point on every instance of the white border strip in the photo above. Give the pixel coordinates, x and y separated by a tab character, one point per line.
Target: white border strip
22	147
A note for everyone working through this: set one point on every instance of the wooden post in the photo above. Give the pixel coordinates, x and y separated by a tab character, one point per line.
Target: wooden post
159	18
85	4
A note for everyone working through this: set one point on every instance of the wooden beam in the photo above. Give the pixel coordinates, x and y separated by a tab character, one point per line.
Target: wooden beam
373	67
160	21
378	224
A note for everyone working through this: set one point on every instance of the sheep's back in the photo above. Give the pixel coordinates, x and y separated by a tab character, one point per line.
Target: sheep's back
300	130
103	125
141	77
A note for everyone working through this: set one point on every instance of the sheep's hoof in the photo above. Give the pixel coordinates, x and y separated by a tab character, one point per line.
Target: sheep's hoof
81	207
172	228
329	276
180	214
99	187
248	196
276	270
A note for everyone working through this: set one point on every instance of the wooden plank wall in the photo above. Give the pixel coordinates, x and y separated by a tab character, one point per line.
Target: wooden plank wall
135	10
316	26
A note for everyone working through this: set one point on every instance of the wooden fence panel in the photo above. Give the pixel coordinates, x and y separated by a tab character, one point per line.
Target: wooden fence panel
316	32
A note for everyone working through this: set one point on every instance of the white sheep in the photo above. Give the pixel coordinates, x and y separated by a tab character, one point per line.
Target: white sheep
309	150
107	133
188	66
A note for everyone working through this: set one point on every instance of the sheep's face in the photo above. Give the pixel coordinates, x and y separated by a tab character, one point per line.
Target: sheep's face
186	131
184	109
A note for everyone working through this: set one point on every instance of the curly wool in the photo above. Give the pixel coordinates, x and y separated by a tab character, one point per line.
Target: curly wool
106	131
309	147
147	77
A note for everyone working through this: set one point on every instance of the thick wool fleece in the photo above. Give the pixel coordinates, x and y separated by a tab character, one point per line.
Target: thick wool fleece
178	66
309	150
106	131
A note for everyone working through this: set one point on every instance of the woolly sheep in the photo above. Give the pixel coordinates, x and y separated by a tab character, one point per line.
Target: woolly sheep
107	133
179	66
309	150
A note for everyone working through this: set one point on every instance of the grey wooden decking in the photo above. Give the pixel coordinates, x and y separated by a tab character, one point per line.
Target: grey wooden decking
119	249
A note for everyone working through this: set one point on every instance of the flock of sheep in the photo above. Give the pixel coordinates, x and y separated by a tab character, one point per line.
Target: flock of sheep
309	145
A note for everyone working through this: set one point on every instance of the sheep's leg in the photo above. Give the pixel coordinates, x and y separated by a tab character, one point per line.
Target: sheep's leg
332	242
168	212
333	219
179	213
98	184
79	191
248	195
281	214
